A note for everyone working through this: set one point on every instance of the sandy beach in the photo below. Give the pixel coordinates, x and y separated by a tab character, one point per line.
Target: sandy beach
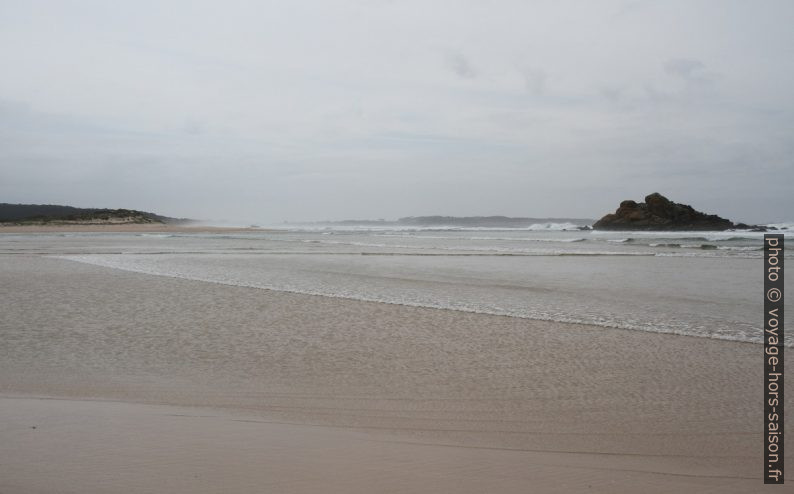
156	384
351	247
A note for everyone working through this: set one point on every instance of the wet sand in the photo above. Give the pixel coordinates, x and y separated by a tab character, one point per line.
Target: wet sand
169	385
86	447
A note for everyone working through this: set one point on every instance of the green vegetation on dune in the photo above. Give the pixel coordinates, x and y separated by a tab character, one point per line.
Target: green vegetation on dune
40	214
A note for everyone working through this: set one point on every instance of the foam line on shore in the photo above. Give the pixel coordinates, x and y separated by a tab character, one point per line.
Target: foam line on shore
459	308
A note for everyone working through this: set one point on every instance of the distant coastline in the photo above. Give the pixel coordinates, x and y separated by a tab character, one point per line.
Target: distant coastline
56	215
120	228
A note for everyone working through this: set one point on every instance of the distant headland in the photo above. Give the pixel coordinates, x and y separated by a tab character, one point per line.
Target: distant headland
50	215
659	213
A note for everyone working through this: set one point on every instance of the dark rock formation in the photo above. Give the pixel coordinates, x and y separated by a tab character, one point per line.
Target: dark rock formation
660	213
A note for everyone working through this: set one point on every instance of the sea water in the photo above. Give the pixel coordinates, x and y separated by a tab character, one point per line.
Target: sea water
703	284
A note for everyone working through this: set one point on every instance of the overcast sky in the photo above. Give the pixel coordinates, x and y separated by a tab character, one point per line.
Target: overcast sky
295	110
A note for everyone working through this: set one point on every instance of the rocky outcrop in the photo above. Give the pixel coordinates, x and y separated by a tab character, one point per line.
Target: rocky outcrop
660	213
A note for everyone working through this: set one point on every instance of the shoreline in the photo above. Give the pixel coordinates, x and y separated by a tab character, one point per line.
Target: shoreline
430	306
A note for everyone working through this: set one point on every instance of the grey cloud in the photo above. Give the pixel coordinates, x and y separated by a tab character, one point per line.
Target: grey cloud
535	81
193	126
630	7
686	68
613	95
461	66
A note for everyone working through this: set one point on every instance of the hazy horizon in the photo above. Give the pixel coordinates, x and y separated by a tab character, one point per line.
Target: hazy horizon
312	111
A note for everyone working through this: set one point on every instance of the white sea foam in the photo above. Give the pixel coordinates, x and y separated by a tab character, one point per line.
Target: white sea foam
500	293
426	228
553	226
630	280
506	239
